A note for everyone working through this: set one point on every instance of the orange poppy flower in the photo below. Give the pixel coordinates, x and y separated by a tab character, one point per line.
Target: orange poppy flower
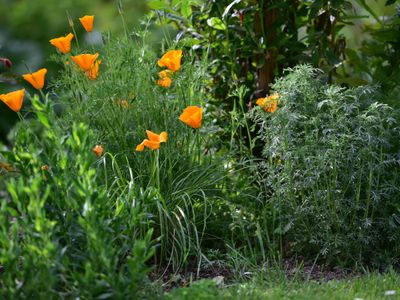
165	78
153	142
63	43
14	99
192	116
270	103
171	60
88	63
164	82
87	23
98	150
36	79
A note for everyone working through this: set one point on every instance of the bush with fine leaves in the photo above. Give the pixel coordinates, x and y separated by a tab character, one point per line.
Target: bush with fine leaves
330	170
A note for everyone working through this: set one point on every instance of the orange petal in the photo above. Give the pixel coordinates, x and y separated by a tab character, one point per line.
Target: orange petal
192	116
140	147
151	144
271	106
163	137
87	23
14	99
171	60
36	79
260	101
63	43
153	136
164	82
85	61
94	70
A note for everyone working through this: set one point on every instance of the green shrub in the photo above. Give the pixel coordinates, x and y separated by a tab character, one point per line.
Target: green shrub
61	234
330	171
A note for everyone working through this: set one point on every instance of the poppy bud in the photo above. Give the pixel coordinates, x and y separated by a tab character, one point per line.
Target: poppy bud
98	150
45	168
6	62
241	17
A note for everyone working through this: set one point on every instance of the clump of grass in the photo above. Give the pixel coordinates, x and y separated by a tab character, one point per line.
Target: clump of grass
330	170
177	182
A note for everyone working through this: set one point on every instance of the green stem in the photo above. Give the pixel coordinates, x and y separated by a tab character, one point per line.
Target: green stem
71	24
233	130
156	169
247	124
120	11
20	116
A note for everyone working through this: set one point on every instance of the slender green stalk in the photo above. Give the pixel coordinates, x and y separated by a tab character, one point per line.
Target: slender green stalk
71	24
121	13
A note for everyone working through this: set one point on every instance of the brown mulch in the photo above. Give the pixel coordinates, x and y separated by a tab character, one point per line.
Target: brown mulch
170	279
306	270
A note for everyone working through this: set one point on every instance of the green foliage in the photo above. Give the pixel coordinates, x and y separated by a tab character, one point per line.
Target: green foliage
330	171
60	233
105	218
325	183
251	42
374	62
202	290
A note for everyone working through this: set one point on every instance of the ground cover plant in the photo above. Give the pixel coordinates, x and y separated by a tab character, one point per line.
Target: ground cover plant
373	286
119	183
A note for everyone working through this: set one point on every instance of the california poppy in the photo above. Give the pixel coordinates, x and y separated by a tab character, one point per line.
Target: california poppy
192	116
171	60
63	43
14	99
88	63
165	78
36	79
98	150
153	141
87	23
270	103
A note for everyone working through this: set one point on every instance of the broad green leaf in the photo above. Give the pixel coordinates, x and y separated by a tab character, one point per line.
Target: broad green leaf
157	4
364	4
216	23
186	9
